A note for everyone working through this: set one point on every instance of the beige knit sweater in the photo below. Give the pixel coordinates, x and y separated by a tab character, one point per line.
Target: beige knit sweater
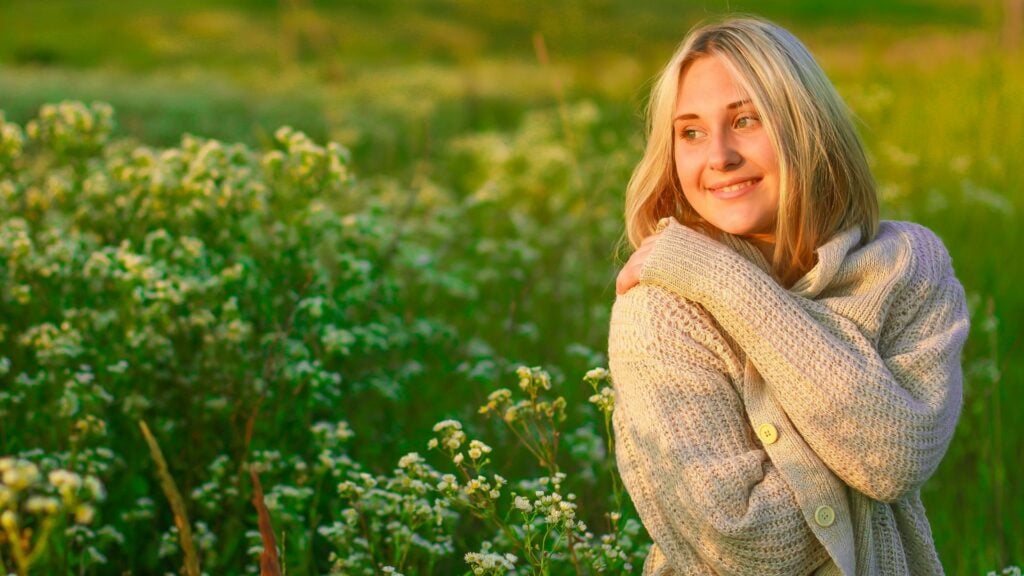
761	430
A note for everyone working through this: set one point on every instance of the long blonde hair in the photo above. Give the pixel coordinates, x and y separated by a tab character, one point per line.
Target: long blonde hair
825	183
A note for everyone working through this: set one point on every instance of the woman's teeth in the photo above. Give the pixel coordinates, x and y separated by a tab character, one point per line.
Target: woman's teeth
735	187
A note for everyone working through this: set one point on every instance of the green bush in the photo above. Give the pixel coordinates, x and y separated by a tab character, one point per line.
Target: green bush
249	305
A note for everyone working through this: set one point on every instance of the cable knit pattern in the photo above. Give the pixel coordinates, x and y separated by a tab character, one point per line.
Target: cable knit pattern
855	370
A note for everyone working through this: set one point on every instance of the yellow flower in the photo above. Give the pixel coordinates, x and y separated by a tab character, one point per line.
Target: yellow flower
9	520
84	514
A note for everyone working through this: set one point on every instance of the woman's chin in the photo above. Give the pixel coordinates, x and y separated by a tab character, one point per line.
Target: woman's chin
743	225
737	228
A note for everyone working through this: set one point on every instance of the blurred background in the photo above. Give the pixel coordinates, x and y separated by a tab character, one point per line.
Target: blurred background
529	115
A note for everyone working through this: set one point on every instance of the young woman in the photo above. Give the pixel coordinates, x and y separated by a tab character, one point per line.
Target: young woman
787	367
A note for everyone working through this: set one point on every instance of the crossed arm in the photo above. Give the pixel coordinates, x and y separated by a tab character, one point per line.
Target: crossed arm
880	415
706	491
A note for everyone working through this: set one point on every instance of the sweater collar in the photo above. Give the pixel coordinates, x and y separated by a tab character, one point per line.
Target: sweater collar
831	255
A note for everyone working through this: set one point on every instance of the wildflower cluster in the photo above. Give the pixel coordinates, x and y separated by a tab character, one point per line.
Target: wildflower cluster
605	398
475	492
489	563
534	420
304	164
399	521
493	227
222	294
34	504
12	139
212	289
549	531
72	128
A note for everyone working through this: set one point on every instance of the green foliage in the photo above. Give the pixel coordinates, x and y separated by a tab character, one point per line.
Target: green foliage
242	301
185	286
34	511
533	525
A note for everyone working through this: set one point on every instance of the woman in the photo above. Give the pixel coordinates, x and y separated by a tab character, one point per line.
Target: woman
786	366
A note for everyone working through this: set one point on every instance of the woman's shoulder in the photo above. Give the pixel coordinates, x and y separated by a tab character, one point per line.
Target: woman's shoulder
923	250
658	321
906	234
927	285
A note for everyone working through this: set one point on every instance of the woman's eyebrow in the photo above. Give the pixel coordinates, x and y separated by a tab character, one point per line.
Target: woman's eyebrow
732	106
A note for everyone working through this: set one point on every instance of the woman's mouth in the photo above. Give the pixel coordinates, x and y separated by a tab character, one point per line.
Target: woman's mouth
733	190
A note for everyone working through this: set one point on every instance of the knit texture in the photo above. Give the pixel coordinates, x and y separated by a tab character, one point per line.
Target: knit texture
855	370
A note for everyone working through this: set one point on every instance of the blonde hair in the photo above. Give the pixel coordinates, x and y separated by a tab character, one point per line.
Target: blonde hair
825	183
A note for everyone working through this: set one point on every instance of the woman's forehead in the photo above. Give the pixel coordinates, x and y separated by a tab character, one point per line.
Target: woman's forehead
709	83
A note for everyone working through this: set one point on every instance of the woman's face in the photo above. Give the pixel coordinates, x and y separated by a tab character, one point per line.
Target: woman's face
724	159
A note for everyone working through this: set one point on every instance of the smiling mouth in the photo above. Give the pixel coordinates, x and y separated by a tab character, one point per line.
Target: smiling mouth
733	190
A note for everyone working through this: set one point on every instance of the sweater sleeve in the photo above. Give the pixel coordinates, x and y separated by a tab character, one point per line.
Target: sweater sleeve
708	494
880	421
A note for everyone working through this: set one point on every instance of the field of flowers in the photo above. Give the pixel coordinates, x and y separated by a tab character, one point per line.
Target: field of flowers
261	311
372	343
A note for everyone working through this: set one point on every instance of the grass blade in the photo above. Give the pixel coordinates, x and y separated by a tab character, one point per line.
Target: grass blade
177	504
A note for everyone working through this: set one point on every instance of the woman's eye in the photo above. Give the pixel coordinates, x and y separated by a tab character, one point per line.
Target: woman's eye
747	121
690	134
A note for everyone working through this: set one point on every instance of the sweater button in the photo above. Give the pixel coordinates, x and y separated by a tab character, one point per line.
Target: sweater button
824	516
767	433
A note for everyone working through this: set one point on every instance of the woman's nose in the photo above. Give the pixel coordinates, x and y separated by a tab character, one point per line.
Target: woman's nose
722	153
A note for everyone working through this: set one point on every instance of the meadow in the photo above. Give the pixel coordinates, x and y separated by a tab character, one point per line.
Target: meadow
395	309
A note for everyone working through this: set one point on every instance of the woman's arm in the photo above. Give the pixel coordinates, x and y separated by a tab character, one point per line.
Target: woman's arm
701	483
881	421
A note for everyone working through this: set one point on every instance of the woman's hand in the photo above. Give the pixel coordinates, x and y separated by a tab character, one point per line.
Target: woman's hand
629	276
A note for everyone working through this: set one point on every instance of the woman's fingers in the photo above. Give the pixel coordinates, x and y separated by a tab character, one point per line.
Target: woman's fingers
626	278
624	281
629	276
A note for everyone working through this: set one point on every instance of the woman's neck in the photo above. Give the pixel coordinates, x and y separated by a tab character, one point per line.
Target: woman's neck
765	243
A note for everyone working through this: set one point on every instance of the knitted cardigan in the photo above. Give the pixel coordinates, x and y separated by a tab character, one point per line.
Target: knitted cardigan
761	430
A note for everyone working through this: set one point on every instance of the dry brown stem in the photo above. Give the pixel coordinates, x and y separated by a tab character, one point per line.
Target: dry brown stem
177	504
270	564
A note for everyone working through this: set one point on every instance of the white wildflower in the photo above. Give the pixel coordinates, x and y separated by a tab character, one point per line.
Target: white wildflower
447	424
410	459
448	482
480	446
